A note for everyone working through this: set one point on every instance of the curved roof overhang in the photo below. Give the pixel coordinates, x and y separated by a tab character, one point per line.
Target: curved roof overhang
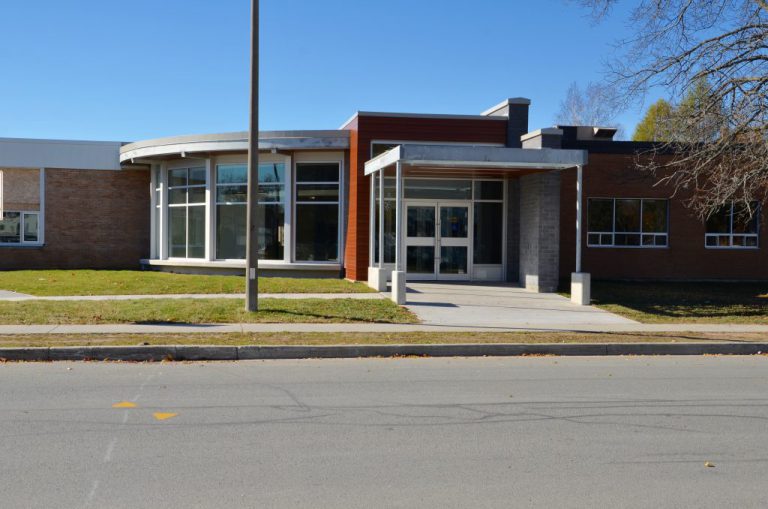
180	146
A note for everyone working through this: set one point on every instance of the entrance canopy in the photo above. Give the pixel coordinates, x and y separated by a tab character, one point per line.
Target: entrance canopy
454	161
462	157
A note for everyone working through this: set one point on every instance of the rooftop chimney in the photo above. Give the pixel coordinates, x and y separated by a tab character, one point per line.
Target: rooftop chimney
516	111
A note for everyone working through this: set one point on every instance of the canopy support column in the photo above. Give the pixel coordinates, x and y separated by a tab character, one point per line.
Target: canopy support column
580	281
381	219
398	276
377	274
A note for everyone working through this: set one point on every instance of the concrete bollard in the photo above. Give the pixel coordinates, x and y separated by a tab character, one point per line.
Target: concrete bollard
398	287
377	278
580	288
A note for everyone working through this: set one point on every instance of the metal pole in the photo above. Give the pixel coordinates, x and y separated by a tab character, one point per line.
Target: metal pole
252	245
579	207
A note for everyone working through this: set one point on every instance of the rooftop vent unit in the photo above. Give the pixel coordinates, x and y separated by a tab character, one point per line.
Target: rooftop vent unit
588	132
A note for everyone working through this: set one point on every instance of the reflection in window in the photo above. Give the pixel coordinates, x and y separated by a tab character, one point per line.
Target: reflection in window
734	225
627	222
231	210
389	220
186	218
437	189
317	212
421	221
489	232
10	228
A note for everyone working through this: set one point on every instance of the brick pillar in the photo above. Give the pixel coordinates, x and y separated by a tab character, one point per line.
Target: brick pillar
540	231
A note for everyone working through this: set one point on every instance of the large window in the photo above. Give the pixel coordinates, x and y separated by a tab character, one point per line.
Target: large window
627	222
733	226
186	212
317	212
231	205
489	222
19	228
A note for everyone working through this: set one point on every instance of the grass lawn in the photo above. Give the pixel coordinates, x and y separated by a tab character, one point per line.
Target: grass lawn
135	282
738	303
204	311
361	338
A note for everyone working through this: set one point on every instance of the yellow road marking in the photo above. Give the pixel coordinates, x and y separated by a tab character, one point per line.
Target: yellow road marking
124	404
160	416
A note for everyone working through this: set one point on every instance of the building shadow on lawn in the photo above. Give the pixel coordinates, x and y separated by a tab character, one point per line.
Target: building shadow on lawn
686	300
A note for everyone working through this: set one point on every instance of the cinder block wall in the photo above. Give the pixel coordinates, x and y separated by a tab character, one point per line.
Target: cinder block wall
540	231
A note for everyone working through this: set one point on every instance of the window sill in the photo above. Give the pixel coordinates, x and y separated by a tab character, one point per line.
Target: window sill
627	247
22	246
733	248
240	264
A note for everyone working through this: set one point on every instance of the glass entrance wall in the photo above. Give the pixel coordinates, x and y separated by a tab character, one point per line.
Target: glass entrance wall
483	222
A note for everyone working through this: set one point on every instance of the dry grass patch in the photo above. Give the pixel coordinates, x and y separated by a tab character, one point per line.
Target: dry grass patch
362	338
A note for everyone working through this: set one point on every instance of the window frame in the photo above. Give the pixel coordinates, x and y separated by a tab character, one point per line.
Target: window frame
22	221
284	201
641	233
730	235
168	206
295	203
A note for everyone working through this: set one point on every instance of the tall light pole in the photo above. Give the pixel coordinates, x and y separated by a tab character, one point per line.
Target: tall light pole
252	244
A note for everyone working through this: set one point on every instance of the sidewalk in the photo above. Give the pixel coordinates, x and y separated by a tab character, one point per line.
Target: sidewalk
368	327
19	297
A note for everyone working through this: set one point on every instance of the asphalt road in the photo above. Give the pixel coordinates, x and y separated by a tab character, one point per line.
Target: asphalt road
481	432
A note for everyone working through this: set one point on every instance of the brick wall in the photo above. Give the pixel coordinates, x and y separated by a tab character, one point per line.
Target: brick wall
614	176
93	219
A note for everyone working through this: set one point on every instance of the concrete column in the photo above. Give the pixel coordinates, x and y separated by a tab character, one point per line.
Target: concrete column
513	230
398	275
381	220
540	231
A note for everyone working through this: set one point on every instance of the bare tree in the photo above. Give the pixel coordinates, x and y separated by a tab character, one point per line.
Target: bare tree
592	105
721	151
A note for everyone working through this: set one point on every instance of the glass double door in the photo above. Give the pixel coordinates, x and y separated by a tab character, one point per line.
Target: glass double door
437	240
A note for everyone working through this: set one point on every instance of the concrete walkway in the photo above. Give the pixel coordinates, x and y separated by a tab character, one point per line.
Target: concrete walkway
15	297
492	306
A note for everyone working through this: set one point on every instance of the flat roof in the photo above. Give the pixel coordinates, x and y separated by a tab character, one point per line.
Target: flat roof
235	142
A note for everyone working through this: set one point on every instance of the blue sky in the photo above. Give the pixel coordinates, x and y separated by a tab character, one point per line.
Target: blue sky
108	70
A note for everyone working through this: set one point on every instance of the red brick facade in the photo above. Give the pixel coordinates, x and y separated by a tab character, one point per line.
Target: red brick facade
93	219
615	176
366	129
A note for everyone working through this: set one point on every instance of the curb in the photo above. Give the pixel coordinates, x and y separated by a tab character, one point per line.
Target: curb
233	353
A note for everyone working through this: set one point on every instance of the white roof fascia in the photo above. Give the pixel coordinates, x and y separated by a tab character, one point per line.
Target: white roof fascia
236	142
66	154
381	161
